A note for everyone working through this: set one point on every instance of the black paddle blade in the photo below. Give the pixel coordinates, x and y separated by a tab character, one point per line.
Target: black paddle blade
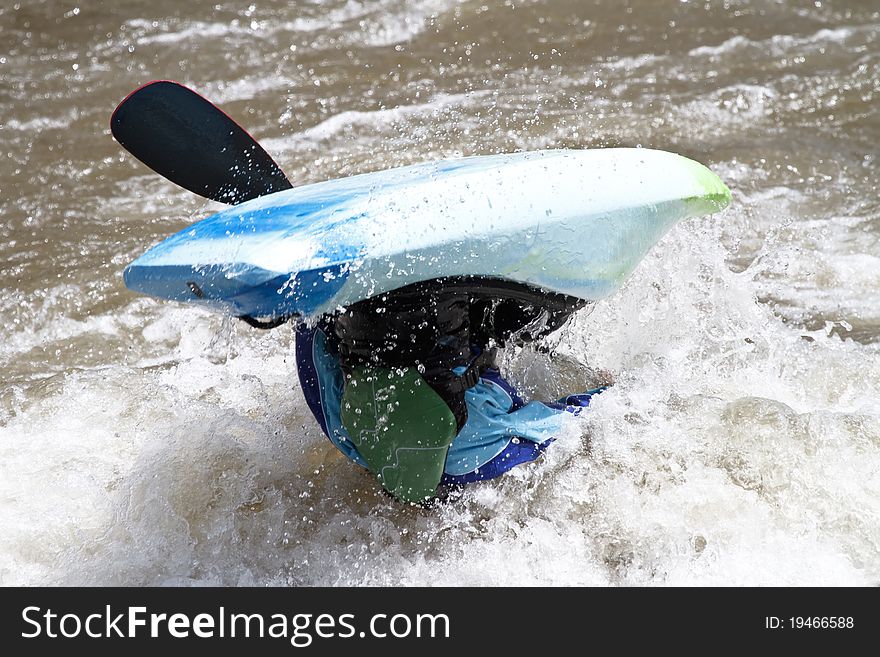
190	141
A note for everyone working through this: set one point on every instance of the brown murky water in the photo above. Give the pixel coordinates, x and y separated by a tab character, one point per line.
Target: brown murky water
175	447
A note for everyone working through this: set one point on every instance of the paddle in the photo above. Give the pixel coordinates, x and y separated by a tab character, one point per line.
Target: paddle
190	141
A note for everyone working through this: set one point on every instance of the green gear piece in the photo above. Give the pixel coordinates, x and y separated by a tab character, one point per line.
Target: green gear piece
401	427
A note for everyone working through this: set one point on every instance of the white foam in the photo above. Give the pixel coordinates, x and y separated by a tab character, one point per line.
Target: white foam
778	41
731	44
39	123
194	30
373	23
44	324
748	104
381	23
376	119
730	451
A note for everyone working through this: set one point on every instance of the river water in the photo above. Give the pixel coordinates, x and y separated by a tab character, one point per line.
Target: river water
144	442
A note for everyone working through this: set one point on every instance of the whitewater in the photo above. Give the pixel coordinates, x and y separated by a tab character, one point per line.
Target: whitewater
149	443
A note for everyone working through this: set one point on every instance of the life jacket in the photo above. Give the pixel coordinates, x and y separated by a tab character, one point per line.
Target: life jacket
409	357
441	325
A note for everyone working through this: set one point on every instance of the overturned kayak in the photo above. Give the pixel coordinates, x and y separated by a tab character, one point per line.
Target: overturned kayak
573	222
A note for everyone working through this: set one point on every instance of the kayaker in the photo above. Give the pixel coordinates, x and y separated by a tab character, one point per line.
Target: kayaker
406	384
